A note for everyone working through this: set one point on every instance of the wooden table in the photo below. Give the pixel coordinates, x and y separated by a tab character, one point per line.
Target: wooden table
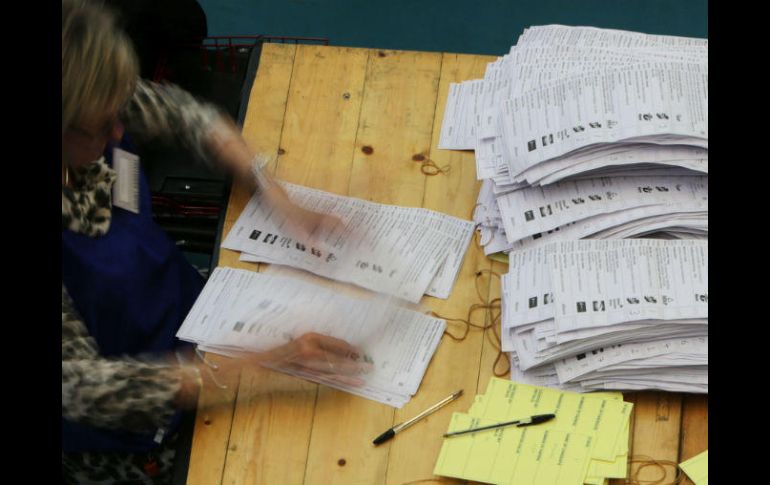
352	122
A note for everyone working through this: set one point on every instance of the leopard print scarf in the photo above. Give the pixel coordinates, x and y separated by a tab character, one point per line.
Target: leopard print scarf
86	207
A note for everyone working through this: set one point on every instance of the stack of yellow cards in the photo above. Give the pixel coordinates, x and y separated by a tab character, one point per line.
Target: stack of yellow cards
587	442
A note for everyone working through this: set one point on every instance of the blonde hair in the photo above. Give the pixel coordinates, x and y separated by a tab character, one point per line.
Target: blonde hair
99	67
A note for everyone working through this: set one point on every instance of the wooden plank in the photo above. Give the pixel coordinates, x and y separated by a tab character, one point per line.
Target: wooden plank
212	428
270	429
695	427
316	149
262	127
657	420
322	117
396	123
491	347
455	364
396	120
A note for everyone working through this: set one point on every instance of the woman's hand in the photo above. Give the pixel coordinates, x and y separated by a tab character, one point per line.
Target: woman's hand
232	153
326	357
302	224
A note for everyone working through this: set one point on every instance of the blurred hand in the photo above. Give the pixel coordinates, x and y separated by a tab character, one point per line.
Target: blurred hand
302	224
321	355
233	154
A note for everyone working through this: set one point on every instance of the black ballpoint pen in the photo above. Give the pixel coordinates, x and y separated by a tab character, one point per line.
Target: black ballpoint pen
537	419
399	427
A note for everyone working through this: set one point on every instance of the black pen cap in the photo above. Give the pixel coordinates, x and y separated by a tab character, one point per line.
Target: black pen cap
384	437
537	419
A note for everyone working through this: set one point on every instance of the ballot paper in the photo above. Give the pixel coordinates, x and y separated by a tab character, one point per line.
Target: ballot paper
463	136
609	314
622	360
697	468
536	210
594	283
586	442
245	311
635	105
647	89
566	110
400	251
669	352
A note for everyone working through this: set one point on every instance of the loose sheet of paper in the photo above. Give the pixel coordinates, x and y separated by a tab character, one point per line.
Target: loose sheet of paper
697	468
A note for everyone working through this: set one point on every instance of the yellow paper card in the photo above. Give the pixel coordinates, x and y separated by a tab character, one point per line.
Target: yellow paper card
609	469
595	481
697	468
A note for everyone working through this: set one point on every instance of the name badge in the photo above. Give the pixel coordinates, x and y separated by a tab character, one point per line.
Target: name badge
125	191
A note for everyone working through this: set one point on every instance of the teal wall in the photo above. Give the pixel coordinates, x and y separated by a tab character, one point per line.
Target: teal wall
477	27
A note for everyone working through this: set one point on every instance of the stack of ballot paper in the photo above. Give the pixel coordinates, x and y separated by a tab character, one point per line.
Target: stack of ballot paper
400	251
595	136
246	311
598	208
609	314
561	123
587	441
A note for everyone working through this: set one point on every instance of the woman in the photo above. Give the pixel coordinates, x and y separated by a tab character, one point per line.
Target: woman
125	286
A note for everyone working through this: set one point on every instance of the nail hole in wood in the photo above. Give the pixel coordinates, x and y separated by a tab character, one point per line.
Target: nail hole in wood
367	149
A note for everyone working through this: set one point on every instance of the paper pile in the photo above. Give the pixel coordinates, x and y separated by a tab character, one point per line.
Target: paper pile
593	135
587	442
400	251
612	314
571	112
241	310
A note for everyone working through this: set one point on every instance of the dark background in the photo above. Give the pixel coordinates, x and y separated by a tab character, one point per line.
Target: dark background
465	26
